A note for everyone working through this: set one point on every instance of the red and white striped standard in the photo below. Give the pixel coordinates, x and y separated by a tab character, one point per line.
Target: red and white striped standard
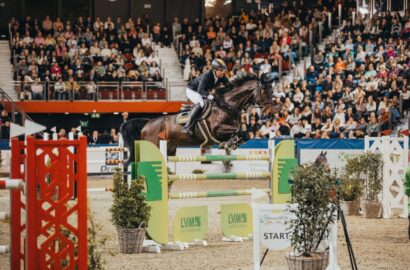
11	184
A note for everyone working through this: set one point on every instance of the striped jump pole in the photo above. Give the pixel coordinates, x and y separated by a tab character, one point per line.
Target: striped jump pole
11	184
220	176
216	158
99	189
4	216
215	193
8	184
4	249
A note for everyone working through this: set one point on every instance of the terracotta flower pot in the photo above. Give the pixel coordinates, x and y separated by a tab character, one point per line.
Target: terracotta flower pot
371	209
350	208
317	262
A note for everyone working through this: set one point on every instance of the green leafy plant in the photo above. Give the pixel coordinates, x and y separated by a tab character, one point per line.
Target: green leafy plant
129	208
95	261
352	180
363	171
314	193
407	183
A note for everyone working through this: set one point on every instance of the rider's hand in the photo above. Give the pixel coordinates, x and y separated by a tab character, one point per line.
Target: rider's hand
210	97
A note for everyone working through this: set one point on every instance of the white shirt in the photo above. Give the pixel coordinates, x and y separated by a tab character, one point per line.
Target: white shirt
37	88
295	130
265	68
106	52
227	44
341	117
153	59
307	128
145	41
140	59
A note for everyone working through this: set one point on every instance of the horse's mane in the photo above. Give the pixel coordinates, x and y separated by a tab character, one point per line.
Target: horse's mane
241	78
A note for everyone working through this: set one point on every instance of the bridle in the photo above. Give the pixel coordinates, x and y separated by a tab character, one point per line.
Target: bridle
232	110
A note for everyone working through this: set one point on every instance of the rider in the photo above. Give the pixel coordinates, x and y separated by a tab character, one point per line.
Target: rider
198	88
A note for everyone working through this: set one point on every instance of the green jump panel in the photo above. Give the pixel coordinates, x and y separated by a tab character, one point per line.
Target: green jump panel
284	152
236	220
148	154
286	165
151	170
190	224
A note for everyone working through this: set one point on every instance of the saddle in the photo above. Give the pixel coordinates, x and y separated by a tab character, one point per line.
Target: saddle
183	114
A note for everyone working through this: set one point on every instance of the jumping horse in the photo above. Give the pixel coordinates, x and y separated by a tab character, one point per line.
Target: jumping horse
218	124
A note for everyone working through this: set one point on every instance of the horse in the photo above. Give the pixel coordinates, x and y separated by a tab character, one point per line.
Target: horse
321	161
218	126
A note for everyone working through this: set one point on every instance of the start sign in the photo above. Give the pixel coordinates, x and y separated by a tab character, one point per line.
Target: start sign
270	222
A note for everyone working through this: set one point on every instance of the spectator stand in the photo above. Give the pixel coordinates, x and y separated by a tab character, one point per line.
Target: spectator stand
80	54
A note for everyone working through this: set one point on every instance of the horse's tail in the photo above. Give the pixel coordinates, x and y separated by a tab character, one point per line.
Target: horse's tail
130	132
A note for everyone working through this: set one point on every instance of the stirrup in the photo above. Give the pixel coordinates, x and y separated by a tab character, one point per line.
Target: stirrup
187	130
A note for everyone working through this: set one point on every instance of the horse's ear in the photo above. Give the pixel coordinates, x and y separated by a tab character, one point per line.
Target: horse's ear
325	153
321	153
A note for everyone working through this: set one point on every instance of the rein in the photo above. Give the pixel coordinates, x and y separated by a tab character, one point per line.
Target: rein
228	109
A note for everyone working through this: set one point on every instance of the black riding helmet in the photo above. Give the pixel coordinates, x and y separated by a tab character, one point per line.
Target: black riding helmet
218	64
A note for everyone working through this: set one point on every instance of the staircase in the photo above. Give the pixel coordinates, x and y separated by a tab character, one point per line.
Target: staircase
172	73
6	70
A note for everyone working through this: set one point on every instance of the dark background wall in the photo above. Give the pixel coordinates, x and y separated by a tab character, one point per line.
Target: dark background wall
104	123
158	10
105	8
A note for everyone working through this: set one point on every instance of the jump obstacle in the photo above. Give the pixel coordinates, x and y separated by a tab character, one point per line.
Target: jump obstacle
42	206
190	223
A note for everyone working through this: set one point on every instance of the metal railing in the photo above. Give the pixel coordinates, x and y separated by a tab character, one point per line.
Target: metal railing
17	114
100	91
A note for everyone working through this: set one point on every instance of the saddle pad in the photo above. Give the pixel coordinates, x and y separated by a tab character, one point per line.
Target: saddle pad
183	116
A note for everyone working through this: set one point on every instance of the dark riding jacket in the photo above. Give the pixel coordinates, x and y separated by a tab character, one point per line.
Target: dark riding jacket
205	82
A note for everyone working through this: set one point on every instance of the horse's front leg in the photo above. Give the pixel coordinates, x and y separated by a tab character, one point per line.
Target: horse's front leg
226	131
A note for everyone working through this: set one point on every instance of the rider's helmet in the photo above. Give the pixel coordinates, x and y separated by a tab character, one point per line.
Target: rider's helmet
218	64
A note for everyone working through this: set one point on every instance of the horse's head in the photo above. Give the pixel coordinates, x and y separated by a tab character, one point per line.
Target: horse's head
246	90
321	161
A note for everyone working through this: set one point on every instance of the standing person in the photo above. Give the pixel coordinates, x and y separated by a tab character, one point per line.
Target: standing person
199	88
125	117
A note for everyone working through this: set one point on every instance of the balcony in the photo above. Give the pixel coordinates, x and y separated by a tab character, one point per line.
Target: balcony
82	97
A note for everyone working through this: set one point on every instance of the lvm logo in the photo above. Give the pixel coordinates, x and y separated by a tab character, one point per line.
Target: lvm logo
236	218
191	222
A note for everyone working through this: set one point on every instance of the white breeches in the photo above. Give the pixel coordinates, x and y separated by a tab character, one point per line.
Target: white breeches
195	97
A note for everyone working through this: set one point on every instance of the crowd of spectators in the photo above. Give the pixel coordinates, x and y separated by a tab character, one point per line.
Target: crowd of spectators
254	41
357	84
69	53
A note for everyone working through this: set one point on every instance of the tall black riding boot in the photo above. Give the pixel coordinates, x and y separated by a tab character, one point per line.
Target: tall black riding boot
195	111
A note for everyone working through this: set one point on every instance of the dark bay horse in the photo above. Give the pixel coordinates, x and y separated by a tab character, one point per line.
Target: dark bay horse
220	126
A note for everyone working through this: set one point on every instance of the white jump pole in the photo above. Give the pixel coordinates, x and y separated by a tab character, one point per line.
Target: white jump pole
4	249
4	216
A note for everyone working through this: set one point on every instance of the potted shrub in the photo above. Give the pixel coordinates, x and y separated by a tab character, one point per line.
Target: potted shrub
351	187
372	164
130	213
313	192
